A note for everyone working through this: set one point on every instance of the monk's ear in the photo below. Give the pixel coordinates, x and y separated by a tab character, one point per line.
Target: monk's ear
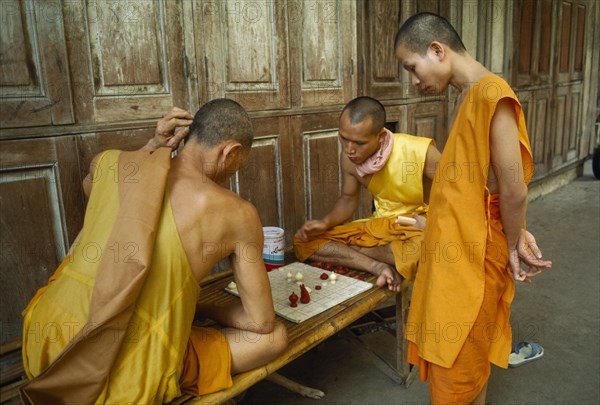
437	49
231	150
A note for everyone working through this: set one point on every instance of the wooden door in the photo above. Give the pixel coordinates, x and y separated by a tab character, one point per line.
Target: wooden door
267	178
317	168
34	81
126	59
382	72
41	209
322	52
242	52
549	52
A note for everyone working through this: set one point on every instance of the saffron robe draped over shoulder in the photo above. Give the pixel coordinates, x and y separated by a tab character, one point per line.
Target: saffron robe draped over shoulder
397	190
113	324
463	236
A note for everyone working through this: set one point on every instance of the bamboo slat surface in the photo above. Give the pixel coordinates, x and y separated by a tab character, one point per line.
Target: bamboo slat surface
302	336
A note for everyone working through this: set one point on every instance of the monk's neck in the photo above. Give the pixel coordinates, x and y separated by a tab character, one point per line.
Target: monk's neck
466	71
196	162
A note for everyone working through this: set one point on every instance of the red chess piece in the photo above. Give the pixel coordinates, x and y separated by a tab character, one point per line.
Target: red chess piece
293	300
304	296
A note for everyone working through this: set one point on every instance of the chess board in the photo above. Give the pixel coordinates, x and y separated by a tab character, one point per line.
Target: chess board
329	295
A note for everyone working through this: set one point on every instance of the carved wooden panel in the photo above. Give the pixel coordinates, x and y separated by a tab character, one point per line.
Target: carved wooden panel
535	23
267	178
260	180
316	157
321	151
572	20
525	38
429	119
567	124
41	210
580	28
323	49
546	38
382	70
574	130
495	20
539	129
536	108
34	81
127	58
89	145
560	131
243	50
565	36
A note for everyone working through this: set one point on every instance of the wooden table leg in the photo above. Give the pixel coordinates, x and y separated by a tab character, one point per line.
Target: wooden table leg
295	387
407	375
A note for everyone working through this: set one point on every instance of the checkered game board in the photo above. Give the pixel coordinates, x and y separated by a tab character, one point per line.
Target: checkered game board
321	300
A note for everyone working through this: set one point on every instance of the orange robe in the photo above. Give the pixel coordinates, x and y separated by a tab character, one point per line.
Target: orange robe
397	190
459	315
114	324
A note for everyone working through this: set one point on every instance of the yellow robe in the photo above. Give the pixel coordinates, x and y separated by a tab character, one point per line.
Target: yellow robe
397	190
77	340
459	316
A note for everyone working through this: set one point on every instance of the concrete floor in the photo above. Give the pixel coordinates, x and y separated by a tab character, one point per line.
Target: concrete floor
560	310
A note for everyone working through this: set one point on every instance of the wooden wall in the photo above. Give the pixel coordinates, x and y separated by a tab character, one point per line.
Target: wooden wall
79	76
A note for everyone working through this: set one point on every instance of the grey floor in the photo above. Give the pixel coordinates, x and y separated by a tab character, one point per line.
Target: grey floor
560	310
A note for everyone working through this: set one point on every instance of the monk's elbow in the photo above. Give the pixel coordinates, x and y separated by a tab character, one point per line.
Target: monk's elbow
279	338
514	195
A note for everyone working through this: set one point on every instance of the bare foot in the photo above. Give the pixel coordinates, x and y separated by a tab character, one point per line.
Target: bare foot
388	275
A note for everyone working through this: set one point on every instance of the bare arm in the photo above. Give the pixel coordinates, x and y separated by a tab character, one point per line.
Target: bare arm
432	160
88	181
170	131
255	310
343	208
505	155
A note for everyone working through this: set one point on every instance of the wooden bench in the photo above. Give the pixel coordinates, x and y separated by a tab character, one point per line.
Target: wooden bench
302	337
308	334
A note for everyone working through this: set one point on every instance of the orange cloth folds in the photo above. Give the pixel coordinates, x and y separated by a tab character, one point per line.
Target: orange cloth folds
207	364
397	189
405	241
459	313
122	303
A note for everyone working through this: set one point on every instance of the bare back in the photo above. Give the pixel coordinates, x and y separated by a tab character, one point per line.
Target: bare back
212	222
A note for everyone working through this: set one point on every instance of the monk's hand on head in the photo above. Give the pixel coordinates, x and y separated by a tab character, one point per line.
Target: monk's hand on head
172	128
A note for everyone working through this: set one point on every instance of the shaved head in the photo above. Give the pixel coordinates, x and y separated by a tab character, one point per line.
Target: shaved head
420	30
362	108
220	120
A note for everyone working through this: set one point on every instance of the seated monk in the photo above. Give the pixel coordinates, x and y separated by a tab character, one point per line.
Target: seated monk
114	324
396	169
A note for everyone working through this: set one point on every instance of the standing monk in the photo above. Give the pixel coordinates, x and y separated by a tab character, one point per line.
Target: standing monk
474	240
114	324
397	169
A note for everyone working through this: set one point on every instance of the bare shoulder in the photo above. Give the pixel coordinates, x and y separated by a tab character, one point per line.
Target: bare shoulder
237	217
348	168
432	159
238	208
